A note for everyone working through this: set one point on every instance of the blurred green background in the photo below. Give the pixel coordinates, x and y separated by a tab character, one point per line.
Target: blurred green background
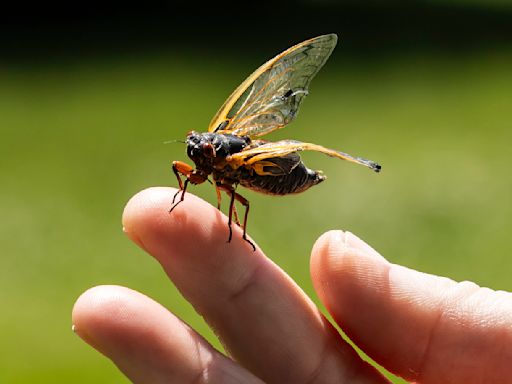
87	101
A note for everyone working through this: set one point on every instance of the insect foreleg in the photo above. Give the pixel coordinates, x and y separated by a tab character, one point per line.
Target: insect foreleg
182	190
180	168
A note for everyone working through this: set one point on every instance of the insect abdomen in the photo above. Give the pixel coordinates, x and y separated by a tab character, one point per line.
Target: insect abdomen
298	180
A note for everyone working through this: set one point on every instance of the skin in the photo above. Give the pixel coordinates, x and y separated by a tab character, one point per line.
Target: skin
424	328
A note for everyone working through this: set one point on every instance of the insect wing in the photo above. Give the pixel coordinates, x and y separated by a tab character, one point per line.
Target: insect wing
262	153
274	165
270	97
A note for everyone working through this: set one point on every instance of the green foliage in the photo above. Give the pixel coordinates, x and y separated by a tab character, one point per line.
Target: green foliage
78	140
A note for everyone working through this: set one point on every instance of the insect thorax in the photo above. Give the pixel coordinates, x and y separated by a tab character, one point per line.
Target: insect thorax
209	150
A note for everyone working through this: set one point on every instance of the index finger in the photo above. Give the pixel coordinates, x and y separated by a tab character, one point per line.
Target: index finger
262	317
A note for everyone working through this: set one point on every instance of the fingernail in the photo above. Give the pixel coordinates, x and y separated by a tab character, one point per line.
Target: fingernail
346	239
339	237
355	242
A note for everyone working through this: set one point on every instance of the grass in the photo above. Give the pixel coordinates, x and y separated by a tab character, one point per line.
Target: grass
78	140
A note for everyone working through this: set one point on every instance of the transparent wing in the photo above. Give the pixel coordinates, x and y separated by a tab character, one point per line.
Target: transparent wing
270	97
285	147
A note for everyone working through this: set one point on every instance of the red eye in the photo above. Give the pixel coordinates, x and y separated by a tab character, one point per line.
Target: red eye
209	150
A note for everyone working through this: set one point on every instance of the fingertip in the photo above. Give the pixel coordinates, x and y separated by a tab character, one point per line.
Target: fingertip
353	241
143	201
148	222
323	242
144	340
144	209
351	280
338	254
95	309
194	228
113	318
320	254
338	241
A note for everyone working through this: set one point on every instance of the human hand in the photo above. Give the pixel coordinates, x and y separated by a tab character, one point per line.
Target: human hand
425	328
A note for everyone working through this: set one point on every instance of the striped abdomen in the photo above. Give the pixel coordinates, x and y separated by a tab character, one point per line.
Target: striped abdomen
298	180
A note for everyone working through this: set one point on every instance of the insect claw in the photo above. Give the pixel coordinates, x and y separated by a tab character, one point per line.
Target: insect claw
174	206
230	234
250	242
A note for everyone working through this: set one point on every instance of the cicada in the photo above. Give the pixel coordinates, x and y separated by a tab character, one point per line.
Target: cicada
232	153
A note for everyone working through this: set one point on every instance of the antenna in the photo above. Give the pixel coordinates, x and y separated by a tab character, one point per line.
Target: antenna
175	141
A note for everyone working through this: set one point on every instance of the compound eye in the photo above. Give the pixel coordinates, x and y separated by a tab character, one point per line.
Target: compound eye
208	150
192	151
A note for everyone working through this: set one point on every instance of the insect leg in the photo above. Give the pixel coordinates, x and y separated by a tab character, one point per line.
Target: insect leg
230	214
180	168
182	196
219	197
218	189
232	211
235	215
228	190
242	200
184	169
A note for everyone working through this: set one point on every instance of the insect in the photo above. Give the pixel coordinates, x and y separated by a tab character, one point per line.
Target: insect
231	151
